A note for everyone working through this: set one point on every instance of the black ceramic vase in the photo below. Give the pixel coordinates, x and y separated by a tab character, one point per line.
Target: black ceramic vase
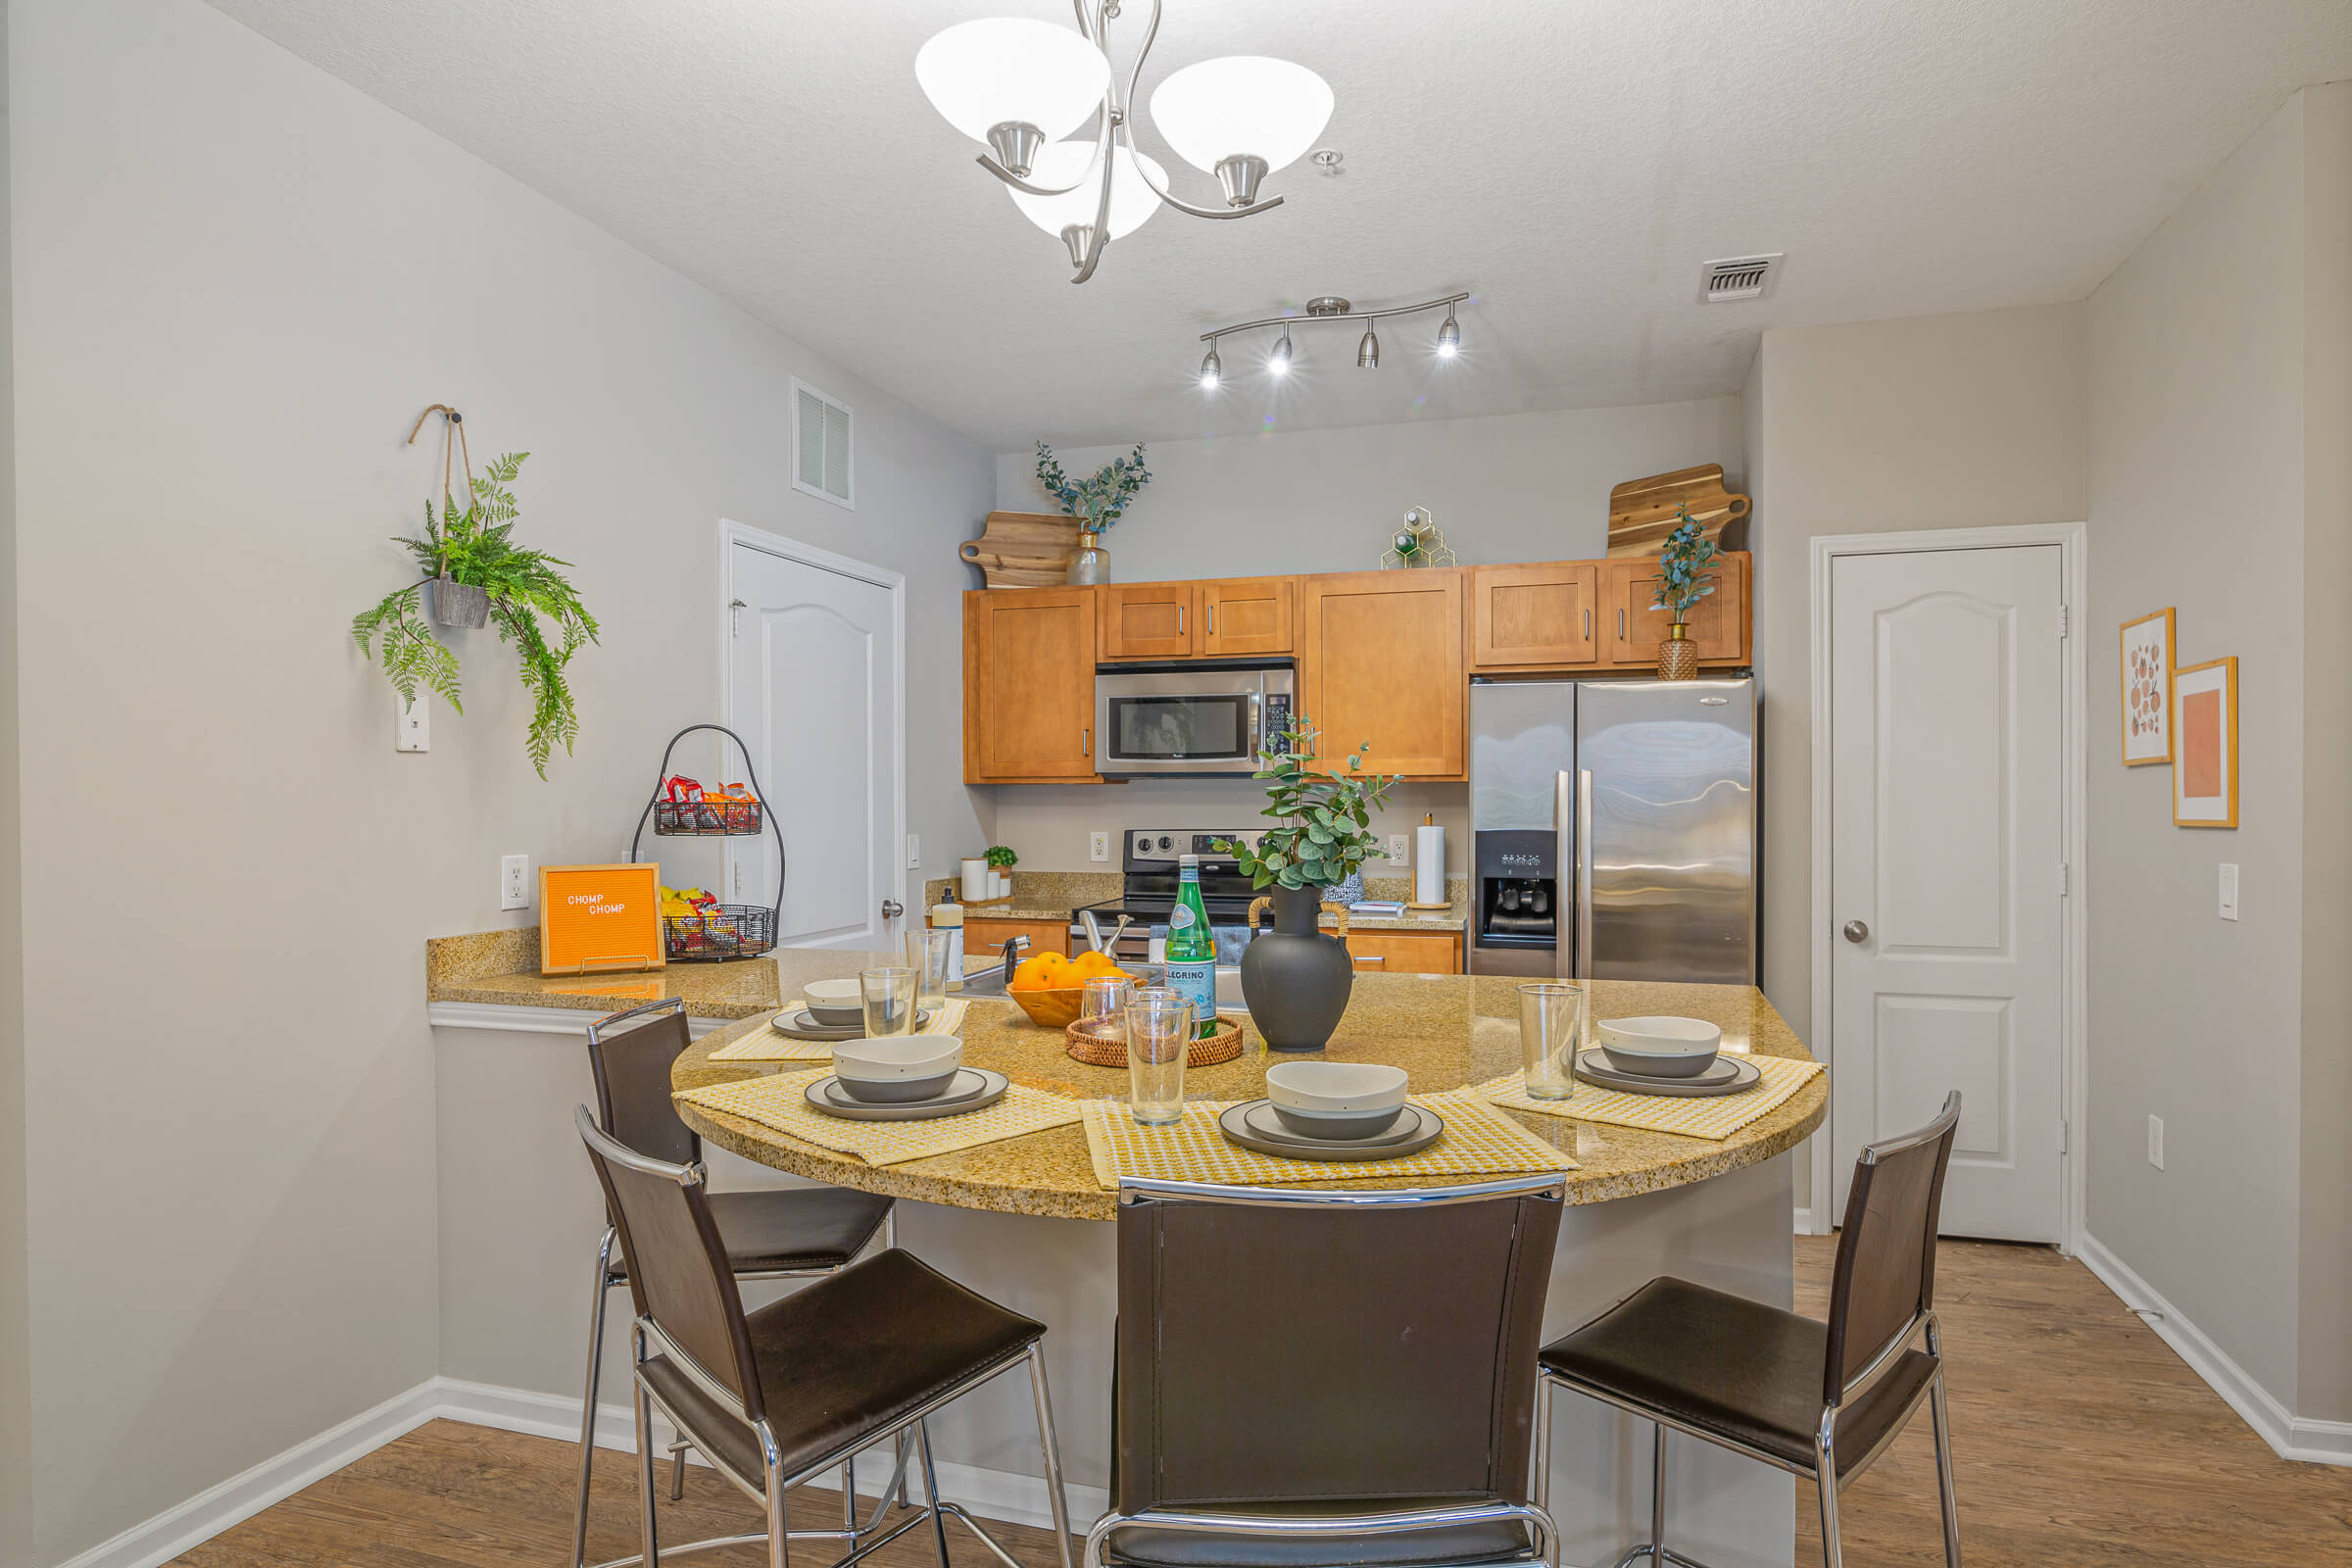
1294	978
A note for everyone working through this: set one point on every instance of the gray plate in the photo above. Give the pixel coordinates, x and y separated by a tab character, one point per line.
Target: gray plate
1252	1125
796	1022
1731	1075
973	1089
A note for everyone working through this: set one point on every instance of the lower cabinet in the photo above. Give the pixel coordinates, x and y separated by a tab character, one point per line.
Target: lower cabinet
984	938
1406	952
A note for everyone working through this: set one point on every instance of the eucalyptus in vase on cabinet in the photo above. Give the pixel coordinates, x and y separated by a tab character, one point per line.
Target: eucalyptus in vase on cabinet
1098	502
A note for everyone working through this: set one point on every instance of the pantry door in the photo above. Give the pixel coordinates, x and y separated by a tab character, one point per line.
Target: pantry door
816	650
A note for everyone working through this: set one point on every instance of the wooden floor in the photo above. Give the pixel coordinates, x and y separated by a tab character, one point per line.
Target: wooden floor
2081	1439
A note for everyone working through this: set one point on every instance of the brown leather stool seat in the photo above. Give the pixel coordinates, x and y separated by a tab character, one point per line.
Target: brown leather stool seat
862	1353
1466	1543
779	1231
1757	1383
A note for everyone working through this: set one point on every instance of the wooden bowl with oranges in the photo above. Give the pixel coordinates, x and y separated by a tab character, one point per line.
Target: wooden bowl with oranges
1051	988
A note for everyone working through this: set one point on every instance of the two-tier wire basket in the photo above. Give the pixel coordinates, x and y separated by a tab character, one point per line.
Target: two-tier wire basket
727	930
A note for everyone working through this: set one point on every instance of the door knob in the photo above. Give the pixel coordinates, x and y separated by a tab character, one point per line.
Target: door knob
1856	931
892	910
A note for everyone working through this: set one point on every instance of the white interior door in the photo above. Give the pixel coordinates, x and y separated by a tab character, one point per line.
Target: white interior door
813	690
1947	850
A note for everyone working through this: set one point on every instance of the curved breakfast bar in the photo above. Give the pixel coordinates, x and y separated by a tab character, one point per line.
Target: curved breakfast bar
1642	1203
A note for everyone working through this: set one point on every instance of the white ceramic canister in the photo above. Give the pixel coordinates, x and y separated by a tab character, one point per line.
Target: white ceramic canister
975	875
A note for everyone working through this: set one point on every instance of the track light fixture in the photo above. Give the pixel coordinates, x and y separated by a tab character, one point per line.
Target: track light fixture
1331	308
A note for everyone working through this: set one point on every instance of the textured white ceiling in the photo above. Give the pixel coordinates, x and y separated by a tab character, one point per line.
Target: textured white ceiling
1572	161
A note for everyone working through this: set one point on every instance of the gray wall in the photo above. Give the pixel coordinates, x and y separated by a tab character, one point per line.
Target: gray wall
1947	422
238	280
2203	424
15	1346
1512	487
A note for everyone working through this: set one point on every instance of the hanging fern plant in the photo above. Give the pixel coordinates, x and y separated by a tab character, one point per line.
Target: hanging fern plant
475	549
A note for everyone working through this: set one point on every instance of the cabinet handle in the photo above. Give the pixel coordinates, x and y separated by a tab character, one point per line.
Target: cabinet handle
1086	742
1587	624
1621	625
1213	619
1179	620
1363	959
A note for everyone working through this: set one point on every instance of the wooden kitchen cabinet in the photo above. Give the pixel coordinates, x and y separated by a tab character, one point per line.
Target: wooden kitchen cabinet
1406	952
986	938
1145	620
1243	616
1630	630
1535	618
1029	685
1380	660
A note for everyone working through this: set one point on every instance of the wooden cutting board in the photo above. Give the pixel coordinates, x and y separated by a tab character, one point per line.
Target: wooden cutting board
1641	511
1026	549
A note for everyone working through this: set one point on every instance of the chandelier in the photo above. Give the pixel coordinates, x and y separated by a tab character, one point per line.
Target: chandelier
1020	86
1331	308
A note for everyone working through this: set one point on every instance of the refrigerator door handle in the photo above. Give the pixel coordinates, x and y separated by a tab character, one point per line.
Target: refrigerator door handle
1584	875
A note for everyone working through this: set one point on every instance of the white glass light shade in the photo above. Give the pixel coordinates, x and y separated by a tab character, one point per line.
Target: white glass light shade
1241	106
1059	163
982	74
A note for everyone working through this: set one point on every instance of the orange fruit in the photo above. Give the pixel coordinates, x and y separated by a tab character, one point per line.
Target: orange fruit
1093	964
1036	973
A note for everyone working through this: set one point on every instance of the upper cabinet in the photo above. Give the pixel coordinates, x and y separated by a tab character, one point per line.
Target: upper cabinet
1244	616
1534	617
1380	660
1718	623
1147	620
1233	618
1028	685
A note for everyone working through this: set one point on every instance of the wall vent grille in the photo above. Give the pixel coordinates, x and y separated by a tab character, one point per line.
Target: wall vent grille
1743	277
821	447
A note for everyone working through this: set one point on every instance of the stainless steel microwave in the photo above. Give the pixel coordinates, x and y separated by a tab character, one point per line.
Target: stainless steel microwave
1188	719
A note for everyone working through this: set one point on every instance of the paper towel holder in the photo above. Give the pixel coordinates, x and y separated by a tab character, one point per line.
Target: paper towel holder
1428	821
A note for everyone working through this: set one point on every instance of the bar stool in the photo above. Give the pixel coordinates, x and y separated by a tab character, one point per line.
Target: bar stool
1310	1377
774	1396
1820	1400
769	1235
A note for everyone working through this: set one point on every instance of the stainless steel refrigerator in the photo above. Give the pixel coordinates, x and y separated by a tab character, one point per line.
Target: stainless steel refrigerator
1613	829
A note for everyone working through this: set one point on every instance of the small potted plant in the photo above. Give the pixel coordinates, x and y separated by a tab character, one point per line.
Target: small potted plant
1683	582
1001	861
470	556
1294	979
1097	502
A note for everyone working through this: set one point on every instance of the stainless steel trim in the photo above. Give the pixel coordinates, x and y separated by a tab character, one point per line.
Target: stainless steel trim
621	1154
1544	1535
1583	874
1565	844
1135	1188
602	1026
1872	1153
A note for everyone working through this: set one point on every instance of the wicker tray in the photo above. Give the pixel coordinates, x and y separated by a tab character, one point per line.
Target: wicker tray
1109	1050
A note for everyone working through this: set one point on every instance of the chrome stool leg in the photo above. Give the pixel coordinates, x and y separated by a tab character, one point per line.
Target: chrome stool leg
596	1348
1947	1494
645	1468
1045	1435
1657	1497
939	1517
679	1447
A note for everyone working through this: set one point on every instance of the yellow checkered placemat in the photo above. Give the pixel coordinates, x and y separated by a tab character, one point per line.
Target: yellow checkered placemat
769	1045
1476	1141
1715	1116
777	1102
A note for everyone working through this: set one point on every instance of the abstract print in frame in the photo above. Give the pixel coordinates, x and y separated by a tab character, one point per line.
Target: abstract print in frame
2147	712
2205	743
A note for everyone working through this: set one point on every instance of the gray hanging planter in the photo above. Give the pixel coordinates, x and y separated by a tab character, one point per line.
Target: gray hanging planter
457	604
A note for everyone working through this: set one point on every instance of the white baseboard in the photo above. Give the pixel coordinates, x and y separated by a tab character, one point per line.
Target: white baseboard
1808	1224
2291	1436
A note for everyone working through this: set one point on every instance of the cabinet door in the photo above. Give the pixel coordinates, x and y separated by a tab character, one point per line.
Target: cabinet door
1245	615
1145	620
1534	617
1404	953
1380	660
1718	622
1028	684
985	938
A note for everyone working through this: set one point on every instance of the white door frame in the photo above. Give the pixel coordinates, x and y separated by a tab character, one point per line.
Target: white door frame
731	534
2073	1077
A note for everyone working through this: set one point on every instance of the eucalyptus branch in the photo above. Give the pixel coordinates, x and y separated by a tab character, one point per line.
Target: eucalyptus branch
1326	830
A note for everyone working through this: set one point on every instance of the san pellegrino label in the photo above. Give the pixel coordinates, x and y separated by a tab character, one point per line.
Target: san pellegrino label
1192	948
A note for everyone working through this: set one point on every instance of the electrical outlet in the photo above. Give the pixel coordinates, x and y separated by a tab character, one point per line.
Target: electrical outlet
1098	846
2228	891
514	882
411	726
1400	848
914	852
2156	1142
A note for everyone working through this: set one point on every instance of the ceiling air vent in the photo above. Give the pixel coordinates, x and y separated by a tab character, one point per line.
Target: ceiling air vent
820	441
1743	277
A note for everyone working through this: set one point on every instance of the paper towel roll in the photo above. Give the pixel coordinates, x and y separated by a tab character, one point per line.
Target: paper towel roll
974	879
1429	865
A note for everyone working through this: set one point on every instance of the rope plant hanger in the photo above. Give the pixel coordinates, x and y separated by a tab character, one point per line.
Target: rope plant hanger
476	576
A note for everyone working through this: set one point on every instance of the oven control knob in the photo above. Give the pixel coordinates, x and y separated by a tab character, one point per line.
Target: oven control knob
1166	843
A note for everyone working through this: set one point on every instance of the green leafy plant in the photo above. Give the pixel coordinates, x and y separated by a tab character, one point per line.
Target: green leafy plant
999	857
1326	831
475	548
1098	501
1683	558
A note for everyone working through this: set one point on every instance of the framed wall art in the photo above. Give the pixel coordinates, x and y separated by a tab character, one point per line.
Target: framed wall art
2205	744
2147	713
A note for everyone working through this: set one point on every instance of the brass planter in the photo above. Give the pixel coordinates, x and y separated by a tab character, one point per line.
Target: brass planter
1091	564
1678	655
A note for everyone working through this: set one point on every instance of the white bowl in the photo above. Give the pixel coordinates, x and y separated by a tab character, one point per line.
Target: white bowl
835	994
1662	1047
900	1067
1335	1088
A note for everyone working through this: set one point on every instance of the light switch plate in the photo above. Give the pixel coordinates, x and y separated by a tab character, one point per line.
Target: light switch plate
412	726
1400	848
2156	1142
2228	891
514	882
1098	846
914	852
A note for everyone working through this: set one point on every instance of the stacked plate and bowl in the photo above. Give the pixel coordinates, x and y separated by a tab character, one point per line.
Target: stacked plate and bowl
903	1078
1664	1056
1333	1110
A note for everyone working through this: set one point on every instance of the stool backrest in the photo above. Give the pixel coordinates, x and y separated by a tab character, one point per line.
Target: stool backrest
1885	1281
678	1272
632	1080
1277	1345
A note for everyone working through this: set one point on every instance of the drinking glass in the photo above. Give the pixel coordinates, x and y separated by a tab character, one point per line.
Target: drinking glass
889	1002
1159	1032
1551	1026
1103	1001
927	955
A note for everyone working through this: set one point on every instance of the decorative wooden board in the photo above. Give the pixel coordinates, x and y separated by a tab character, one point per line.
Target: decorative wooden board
1026	549
1641	511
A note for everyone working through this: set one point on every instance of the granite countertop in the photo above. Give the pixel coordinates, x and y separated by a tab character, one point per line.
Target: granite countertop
1446	1031
500	968
1053	895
